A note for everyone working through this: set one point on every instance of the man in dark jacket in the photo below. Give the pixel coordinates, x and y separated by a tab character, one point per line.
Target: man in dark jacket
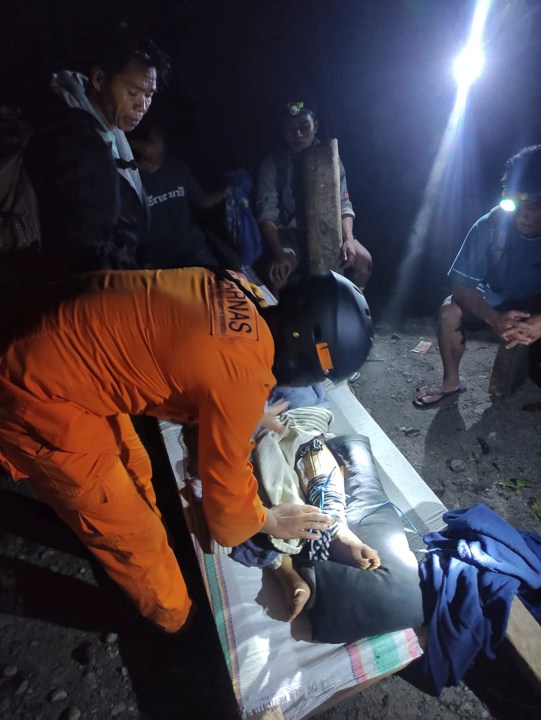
91	202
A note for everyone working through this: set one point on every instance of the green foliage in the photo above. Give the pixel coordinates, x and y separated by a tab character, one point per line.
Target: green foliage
514	484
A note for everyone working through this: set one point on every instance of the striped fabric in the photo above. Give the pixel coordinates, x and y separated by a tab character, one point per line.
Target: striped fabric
323	483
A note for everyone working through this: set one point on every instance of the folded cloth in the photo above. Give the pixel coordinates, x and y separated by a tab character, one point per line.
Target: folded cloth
255	552
480	537
473	570
300	396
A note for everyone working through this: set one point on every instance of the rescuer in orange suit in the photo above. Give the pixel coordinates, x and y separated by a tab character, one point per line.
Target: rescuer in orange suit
81	356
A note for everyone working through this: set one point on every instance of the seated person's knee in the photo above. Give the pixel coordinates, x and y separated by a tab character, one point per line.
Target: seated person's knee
450	312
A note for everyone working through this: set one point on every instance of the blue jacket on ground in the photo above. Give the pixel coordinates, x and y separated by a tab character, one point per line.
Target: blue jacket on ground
472	571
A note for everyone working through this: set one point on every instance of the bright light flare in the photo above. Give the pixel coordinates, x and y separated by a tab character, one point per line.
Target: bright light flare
469	65
508	204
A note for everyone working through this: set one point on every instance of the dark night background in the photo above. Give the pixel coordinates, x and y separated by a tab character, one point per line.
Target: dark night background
379	72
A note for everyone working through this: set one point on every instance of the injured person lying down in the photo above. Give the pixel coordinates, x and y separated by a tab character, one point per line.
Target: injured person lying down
296	460
321	482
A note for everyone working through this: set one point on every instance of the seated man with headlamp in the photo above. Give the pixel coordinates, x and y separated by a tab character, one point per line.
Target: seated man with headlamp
496	276
280	205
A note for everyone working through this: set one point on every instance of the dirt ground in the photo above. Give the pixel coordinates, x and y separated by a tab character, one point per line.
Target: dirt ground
71	646
499	446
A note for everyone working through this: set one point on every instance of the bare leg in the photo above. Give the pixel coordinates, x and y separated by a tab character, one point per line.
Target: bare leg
452	346
297	592
349	550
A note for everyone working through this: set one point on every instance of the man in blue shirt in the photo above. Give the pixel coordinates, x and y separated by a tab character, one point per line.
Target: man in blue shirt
496	276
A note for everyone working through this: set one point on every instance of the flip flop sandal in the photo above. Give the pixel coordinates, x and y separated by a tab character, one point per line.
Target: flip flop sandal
445	398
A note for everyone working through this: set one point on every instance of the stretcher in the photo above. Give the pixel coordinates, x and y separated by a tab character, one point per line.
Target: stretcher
276	672
273	665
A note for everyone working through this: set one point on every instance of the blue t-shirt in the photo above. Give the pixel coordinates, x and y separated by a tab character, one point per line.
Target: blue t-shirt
504	266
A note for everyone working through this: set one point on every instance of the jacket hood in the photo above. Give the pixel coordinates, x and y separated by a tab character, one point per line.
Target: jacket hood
70	87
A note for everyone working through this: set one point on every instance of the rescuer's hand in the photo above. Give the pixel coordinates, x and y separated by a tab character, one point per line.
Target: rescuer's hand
270	417
294	521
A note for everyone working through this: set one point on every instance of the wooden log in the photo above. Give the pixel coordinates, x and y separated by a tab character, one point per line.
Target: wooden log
509	372
523	638
321	172
535	362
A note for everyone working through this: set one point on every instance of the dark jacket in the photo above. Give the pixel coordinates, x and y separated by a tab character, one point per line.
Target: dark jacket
91	217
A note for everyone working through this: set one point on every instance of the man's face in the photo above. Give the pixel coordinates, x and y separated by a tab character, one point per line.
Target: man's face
125	97
527	218
299	131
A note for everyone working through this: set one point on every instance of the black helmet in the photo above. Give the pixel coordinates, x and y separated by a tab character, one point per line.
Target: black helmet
324	330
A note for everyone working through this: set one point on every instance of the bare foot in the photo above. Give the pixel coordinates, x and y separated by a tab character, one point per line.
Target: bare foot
297	592
348	549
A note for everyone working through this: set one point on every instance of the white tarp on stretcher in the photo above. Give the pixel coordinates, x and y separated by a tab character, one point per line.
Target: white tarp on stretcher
271	662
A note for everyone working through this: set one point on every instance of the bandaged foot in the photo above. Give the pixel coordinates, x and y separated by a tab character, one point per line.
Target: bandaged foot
296	591
348	549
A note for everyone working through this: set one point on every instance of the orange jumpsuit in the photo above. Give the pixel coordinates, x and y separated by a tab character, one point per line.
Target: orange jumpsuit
86	353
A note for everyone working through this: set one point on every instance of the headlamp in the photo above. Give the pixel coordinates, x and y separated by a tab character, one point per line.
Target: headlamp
295	108
508	204
511	200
